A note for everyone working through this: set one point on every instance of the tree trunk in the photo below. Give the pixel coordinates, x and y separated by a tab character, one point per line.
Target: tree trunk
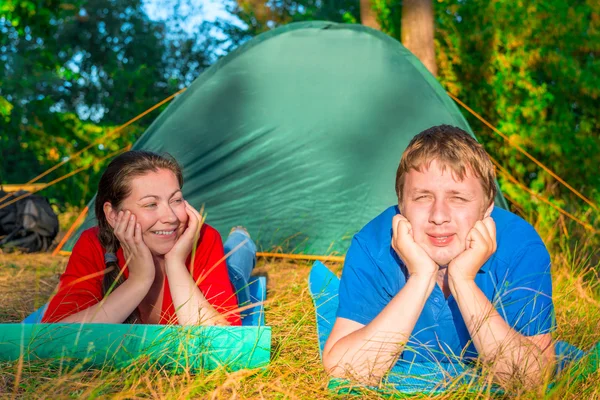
417	31
367	16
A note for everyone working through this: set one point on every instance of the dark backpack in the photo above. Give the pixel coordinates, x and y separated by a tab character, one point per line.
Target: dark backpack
28	225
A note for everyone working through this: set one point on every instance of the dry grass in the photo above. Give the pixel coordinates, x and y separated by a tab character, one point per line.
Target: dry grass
27	281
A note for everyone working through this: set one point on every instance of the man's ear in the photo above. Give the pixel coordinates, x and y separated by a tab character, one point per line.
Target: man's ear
489	210
110	213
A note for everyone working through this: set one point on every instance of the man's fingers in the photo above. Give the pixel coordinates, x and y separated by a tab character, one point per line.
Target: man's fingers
404	227
481	228
491	228
474	238
485	234
395	222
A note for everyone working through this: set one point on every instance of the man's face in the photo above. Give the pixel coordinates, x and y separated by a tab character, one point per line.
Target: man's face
442	210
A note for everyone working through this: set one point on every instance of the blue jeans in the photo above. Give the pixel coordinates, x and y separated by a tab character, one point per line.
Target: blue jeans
240	263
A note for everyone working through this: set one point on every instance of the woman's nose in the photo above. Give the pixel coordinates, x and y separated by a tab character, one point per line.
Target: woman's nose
168	214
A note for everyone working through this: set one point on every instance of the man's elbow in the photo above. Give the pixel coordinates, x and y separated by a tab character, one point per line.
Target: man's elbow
525	375
338	368
331	365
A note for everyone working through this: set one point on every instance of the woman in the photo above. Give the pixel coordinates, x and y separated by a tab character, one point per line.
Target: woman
135	266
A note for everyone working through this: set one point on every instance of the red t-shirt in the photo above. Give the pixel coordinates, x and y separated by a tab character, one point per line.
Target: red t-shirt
80	285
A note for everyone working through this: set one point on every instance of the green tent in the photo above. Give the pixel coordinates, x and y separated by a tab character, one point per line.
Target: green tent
298	133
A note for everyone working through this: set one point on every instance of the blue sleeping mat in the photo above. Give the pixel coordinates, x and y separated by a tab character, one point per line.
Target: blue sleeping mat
174	347
406	377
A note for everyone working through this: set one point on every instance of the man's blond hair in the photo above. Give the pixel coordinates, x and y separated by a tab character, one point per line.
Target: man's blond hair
452	148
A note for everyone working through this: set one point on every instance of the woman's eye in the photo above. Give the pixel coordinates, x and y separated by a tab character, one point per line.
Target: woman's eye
178	201
150	205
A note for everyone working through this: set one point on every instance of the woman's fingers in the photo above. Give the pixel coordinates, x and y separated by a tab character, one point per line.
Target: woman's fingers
137	234
193	218
192	212
130	229
118	229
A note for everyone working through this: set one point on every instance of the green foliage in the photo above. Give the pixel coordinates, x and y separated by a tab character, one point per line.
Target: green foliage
72	72
536	80
5	108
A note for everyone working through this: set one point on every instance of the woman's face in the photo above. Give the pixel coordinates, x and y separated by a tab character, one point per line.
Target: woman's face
157	203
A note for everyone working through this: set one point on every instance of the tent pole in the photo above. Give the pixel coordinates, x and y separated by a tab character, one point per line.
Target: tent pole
70	231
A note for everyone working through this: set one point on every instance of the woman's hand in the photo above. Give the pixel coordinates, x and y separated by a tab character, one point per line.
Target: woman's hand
137	255
188	239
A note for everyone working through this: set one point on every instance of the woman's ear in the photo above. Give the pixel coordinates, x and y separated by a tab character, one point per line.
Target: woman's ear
110	213
489	210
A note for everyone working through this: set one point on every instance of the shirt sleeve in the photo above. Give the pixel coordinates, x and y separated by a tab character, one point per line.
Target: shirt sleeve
362	295
525	292
211	276
80	286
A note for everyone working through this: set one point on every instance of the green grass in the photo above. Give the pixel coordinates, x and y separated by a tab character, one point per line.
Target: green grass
27	281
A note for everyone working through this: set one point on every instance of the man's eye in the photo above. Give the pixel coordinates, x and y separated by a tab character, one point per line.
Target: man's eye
459	198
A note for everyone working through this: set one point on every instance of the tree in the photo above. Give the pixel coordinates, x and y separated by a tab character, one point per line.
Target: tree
538	82
367	15
74	71
418	31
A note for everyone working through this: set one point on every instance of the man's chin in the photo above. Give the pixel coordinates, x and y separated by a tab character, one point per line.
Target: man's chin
442	259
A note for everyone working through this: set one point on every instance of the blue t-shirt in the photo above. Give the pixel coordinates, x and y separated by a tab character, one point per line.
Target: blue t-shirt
516	279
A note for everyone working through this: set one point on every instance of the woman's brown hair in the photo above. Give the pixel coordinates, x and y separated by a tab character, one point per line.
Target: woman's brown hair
114	187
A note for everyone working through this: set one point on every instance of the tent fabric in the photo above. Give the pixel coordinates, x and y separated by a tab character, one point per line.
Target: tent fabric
169	346
427	377
298	133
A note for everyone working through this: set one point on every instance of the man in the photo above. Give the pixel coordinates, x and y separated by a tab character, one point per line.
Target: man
444	275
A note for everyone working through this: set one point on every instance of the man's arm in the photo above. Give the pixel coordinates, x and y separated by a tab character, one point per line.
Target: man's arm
367	352
513	358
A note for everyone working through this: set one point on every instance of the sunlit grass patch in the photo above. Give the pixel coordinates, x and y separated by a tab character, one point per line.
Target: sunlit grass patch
295	369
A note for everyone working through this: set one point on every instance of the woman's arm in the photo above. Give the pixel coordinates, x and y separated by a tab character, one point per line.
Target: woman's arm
114	308
80	297
191	306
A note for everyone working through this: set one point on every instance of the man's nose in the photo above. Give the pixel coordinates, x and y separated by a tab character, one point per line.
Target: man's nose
440	212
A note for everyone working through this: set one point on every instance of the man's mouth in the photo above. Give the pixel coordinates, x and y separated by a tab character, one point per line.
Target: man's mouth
440	240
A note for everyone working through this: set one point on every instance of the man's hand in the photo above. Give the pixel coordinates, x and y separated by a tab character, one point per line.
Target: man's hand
480	245
412	254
